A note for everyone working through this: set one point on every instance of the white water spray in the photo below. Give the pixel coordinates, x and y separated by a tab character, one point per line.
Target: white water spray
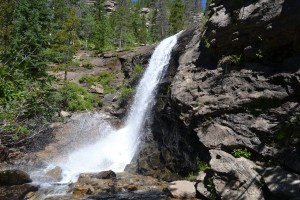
116	148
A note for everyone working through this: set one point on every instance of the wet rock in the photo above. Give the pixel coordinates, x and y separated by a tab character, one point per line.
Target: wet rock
182	189
283	184
93	184
142	195
81	191
107	175
16	192
55	174
235	177
14	177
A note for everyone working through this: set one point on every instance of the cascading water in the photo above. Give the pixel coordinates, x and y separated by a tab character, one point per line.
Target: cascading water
115	149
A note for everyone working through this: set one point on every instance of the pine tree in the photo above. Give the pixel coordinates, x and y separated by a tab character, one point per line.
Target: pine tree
66	39
103	33
87	22
177	16
7	15
123	16
193	8
160	21
31	35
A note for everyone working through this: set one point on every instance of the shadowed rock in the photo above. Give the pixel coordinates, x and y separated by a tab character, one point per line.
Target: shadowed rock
14	177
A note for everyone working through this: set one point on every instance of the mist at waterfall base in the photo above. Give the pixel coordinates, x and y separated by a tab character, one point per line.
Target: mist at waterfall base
115	148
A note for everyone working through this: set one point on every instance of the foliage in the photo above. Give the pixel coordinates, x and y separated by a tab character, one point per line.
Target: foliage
237	59
206	43
103	78
126	94
202	166
211	188
137	73
24	85
259	54
25	105
241	153
73	97
177	16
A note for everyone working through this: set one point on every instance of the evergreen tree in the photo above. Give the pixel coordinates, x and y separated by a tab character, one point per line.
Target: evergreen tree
102	32
123	29
193	8
87	22
177	16
7	15
31	35
160	21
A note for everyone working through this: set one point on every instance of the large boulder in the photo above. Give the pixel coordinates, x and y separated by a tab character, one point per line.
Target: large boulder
235	178
14	177
182	189
107	175
283	184
16	192
55	174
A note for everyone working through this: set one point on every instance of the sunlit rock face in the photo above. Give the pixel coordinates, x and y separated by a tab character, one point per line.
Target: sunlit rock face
232	86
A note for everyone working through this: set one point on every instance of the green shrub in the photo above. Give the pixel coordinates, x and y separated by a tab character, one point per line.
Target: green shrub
237	59
88	65
126	94
202	166
103	78
212	189
137	73
241	153
73	97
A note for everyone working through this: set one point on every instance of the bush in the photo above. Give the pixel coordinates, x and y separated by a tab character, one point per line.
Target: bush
25	107
103	78
137	74
202	166
73	97
126	94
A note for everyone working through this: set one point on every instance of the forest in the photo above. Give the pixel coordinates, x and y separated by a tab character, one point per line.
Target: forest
38	36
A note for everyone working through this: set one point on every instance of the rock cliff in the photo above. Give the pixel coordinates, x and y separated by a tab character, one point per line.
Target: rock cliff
232	90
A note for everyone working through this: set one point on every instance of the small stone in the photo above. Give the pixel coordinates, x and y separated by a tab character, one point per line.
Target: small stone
132	188
97	88
108	55
65	114
107	175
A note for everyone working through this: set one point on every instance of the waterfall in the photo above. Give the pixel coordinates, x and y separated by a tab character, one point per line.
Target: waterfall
116	148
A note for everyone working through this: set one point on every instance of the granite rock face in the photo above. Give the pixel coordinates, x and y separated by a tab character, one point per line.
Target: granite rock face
235	177
232	87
